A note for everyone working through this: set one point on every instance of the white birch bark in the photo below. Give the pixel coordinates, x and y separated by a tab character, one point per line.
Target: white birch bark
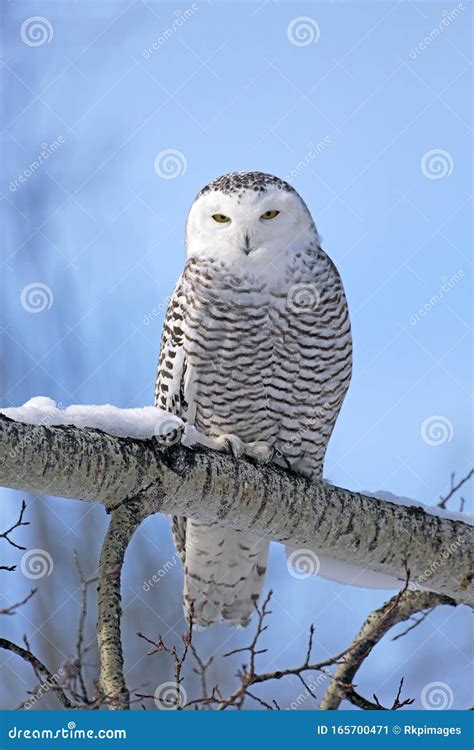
87	464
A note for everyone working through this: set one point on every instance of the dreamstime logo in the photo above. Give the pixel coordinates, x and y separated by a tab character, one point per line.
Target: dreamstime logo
437	430
45	421
156	577
314	149
449	282
303	563
436	164
36	297
47	150
447	18
437	696
180	19
156	312
49	684
36	563
313	683
303	298
170	163
48	419
168	431
170	697
36	31
446	554
302	31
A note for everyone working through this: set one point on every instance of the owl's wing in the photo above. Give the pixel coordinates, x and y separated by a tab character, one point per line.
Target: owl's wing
171	381
171	371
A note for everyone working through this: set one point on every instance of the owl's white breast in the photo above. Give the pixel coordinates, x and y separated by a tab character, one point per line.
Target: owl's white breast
259	369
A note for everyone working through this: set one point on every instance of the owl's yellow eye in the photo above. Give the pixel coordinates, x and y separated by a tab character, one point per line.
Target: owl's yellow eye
269	215
221	218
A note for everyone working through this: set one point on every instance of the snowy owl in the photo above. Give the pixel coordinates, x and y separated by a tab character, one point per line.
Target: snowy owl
256	354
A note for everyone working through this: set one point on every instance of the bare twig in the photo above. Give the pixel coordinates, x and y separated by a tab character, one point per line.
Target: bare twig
397	703
38	667
80	649
454	488
71	672
6	535
366	705
201	671
415	622
249	676
179	661
20	522
398	609
12	609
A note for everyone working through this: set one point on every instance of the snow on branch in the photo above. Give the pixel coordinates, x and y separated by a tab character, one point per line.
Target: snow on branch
51	455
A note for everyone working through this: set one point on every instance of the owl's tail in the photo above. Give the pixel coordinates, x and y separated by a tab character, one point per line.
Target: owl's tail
224	574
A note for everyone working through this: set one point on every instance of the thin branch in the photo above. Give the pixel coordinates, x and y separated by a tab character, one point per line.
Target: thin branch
123	524
179	661
260	700
5	535
454	488
77	664
398	703
12	609
18	523
366	705
415	623
38	667
249	676
398	609
201	670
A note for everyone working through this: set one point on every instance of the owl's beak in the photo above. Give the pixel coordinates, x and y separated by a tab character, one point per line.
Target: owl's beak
246	248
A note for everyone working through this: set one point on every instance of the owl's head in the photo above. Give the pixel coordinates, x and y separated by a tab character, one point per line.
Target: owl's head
248	219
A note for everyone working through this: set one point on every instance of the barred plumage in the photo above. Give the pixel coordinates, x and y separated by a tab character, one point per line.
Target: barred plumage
256	344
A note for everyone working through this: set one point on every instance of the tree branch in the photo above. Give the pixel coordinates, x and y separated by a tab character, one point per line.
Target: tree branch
38	667
454	488
12	608
249	676
20	522
213	487
123	524
398	609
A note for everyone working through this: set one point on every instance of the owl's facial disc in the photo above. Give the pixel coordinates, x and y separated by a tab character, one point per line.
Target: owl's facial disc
248	226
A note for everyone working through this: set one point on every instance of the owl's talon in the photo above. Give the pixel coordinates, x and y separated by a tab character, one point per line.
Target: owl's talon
272	454
286	461
234	446
282	460
266	458
263	453
260	451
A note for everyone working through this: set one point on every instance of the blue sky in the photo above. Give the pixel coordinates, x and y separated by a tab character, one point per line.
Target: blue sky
370	114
